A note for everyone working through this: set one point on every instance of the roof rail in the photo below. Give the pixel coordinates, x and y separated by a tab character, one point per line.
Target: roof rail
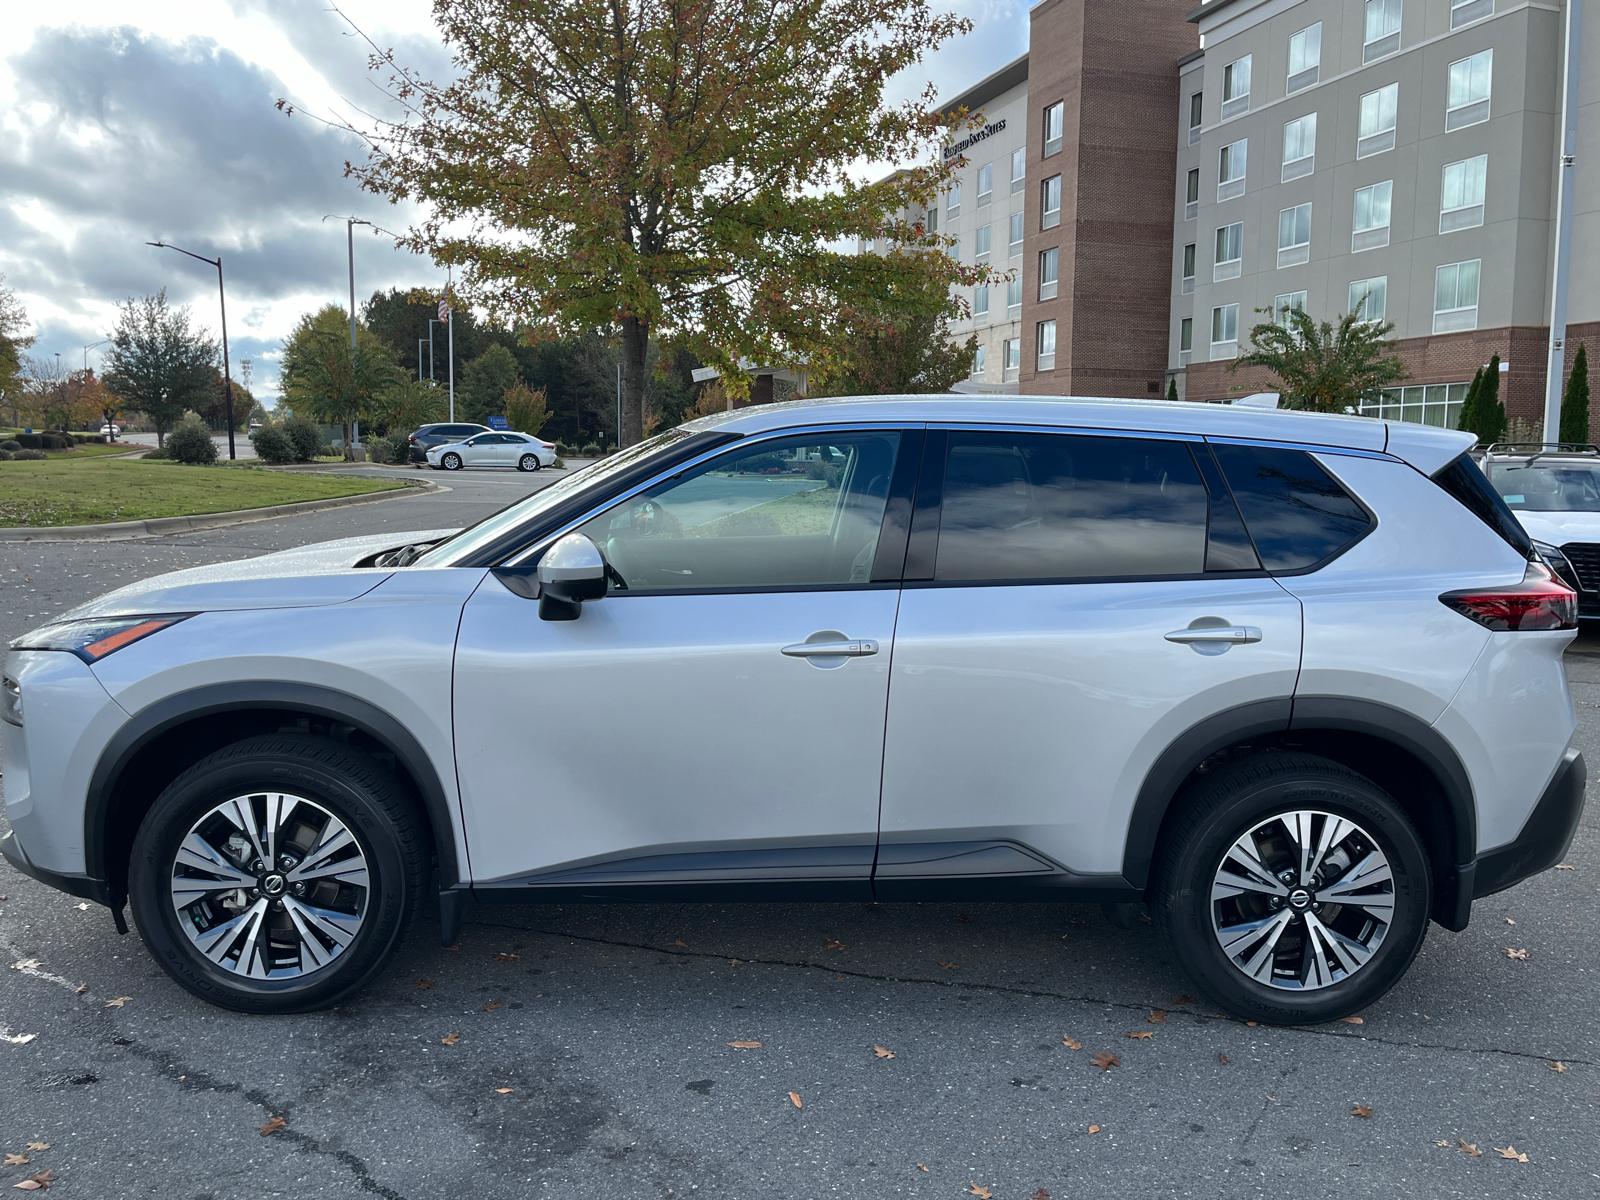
1543	448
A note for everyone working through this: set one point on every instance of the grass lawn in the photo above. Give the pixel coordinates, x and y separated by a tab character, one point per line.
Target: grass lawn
93	450
69	490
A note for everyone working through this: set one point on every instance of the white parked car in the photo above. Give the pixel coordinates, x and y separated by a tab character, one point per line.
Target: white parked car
1555	493
110	430
493	449
1293	681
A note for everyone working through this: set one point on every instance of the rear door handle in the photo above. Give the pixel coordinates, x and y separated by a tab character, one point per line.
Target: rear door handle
858	648
1232	635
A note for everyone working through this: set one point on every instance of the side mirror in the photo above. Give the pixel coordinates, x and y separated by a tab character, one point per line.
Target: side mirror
571	571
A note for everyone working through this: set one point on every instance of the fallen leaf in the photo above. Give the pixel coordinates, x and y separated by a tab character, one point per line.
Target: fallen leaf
920	1167
81	907
1106	1061
26	964
450	1039
1560	1068
981	1192
1223	1059
424	985
81	990
1509	921
1274	1099
1512	1153
118	1002
1041	1194
1183	999
502	956
685	945
1253	1024
1559	867
38	1145
1071	1043
948	966
745	1045
1442	1142
505	1091
1094	1129
1352	1020
16	1039
272	1126
16	1160
1468	1148
1519	955
883	1052
490	1007
1158	1016
794	1098
1141	1035
733	962
1364	1111
39	1182
833	945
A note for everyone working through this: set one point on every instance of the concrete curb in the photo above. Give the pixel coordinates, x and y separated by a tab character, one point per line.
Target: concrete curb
117	531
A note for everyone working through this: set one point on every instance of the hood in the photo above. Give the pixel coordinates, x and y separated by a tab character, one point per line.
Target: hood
1559	528
324	573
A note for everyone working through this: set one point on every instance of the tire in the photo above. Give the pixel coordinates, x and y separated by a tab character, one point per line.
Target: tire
451	462
329	933
1326	959
528	462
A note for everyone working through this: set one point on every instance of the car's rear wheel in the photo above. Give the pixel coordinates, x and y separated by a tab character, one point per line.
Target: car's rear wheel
528	462
451	462
278	874
1292	889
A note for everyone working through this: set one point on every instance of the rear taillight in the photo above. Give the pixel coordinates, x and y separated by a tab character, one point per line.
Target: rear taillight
1540	601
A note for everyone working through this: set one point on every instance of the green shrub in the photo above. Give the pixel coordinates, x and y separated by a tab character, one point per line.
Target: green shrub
30	454
30	441
191	443
273	445
54	441
5	456
157	452
11	445
560	463
589	451
396	448
305	436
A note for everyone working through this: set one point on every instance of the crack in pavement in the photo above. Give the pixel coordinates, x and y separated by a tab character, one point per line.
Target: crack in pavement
1031	993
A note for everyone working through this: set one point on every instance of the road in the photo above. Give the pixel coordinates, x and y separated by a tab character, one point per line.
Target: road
594	1060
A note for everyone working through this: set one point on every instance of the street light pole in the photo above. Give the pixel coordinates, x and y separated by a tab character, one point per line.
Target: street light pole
90	347
350	224
431	324
227	375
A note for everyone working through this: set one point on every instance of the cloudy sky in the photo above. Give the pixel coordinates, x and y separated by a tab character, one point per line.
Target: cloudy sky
153	120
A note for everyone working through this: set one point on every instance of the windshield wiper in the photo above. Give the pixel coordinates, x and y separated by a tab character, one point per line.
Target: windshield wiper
405	555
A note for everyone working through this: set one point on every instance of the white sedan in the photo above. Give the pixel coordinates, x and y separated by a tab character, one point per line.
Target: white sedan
493	449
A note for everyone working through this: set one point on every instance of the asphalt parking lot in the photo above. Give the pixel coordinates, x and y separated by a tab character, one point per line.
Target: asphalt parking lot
593	1057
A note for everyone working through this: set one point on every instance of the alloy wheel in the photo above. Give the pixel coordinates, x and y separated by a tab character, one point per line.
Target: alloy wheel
270	886
452	462
1303	900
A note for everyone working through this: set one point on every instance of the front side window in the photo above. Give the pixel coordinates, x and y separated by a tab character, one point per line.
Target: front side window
1224	327
952	203
1371	228
1305	57
1229	252
1299	147
1016	233
985	183
1382	29
1297	513
1048	264
1287	303
1231	161
1379	112
1036	506
1467	100
1294	235
1461	194
1046	333
1050	203
1236	87
1370	297
1054	117
1455	296
796	511
1019	169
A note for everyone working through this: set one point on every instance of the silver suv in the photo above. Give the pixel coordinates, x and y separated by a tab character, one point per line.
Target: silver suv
1293	681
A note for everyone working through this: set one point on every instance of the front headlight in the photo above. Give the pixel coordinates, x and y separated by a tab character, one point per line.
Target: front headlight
93	639
10	700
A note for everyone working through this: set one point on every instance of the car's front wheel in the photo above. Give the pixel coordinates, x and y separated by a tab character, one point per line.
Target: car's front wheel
528	462
277	874
1292	889
451	462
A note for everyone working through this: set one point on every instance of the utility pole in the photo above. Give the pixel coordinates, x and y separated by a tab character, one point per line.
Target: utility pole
1561	275
227	374
350	224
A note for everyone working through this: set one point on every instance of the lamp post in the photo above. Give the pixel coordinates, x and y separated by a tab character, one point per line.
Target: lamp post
431	324
350	224
222	296
91	346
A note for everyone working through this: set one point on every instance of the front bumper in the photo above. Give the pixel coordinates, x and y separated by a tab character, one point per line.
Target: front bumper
1545	836
77	885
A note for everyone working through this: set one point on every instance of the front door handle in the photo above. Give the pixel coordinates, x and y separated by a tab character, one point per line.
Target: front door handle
854	648
1231	635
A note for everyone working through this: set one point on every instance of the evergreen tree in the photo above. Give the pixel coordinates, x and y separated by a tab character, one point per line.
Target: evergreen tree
1493	428
158	364
1172	389
481	390
1575	404
1467	420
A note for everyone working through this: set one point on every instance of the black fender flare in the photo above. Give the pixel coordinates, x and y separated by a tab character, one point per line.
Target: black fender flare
151	722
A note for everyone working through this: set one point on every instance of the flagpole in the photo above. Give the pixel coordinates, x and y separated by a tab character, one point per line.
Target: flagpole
450	355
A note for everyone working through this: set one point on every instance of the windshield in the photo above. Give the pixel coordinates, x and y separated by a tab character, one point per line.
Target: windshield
460	545
1548	485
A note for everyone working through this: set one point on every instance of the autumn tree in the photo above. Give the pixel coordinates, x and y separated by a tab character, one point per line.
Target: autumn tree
14	339
895	344
1320	366
158	364
526	410
678	168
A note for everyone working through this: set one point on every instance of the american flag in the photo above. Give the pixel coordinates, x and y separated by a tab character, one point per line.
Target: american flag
444	309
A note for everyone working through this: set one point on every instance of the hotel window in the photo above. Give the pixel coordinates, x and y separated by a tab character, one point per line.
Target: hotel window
985	183
1294	235
1236	87
952	202
1379	110
980	243
1230	252
1054	116
980	302
1437	404
1468	101
1371	227
1230	169
977	363
1196	113
1455	296
1187	285
1465	12
1050	202
1283	305
1047	345
933	219
1191	194
1225	331
1370	297
1299	147
1185	340
1012	349
1305	57
1019	169
1016	234
1049	262
1383	29
1461	194
1014	297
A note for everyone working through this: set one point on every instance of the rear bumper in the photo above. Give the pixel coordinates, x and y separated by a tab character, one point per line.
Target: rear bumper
75	885
1545	836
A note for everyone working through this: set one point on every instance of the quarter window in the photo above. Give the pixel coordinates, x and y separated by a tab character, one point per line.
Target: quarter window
1297	513
1467	102
1379	111
1063	507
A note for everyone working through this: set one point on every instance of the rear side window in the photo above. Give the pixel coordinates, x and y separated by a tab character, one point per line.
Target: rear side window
1059	506
1464	481
1298	515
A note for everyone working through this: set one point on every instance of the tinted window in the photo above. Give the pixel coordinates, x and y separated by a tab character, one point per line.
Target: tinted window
794	511
1298	515
1463	480
1059	506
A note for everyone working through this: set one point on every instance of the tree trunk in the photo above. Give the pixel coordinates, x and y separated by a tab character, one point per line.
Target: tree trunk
635	347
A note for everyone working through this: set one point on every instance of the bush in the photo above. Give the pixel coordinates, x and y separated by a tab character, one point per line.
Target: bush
53	441
191	443
305	436
29	441
589	451
5	456
158	452
11	445
393	448
273	445
30	454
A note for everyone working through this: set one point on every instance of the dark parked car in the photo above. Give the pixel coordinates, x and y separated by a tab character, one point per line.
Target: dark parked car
439	433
